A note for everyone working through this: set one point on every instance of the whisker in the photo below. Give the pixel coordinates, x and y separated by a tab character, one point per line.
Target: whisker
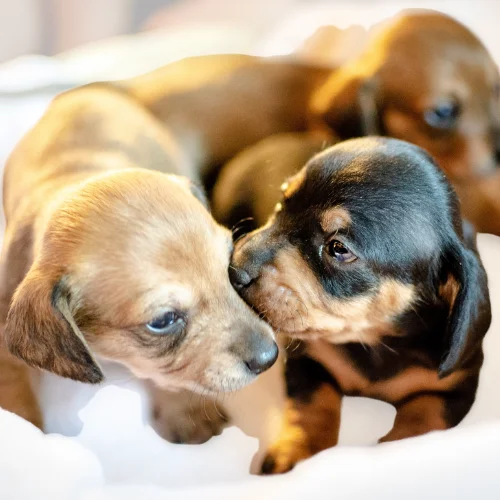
217	409
205	409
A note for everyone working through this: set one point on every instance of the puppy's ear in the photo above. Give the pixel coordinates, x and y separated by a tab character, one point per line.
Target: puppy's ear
466	290
347	103
41	330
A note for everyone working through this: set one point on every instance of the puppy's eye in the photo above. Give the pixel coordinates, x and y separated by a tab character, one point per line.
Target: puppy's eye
339	251
168	323
443	116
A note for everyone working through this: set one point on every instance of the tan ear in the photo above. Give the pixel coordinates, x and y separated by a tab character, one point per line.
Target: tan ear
41	330
347	103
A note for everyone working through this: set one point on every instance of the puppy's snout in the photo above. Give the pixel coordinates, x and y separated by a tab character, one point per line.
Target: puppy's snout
262	353
257	350
239	277
248	260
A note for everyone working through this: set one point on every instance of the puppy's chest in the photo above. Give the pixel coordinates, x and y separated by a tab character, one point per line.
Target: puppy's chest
378	373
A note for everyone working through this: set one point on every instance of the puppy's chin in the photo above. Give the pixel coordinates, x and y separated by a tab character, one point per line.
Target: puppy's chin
211	383
225	386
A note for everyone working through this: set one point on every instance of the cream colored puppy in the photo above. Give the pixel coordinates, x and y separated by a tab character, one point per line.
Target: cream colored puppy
106	258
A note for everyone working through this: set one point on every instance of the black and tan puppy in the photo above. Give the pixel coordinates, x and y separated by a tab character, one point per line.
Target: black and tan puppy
366	261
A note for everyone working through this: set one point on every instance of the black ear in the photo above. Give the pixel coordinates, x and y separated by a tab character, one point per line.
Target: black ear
347	103
41	330
470	314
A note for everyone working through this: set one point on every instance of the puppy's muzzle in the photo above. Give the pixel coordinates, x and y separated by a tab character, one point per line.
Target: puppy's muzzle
251	254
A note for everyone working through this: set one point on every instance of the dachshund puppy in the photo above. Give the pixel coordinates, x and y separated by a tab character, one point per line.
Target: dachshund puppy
217	105
427	79
366	262
107	255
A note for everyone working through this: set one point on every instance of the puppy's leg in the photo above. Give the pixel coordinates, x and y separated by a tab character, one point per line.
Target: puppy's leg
312	416
418	415
16	392
422	413
186	417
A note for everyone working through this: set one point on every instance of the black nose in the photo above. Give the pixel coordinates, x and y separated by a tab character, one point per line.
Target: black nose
263	360
239	277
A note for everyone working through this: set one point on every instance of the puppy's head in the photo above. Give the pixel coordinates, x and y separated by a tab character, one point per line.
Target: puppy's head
426	79
367	238
132	268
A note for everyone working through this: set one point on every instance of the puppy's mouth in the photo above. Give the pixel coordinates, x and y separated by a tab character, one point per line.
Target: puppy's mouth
280	307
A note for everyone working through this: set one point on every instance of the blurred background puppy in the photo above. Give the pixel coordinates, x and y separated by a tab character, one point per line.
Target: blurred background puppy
427	79
423	77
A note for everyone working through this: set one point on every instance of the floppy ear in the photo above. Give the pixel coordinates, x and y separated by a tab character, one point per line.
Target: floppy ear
41	330
347	103
470	315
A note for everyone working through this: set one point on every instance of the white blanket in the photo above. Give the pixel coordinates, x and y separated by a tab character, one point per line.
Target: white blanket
111	452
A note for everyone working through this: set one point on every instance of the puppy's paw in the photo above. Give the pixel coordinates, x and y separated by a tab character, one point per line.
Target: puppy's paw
283	456
187	418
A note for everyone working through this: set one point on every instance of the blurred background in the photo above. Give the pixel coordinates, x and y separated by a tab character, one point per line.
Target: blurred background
51	45
50	27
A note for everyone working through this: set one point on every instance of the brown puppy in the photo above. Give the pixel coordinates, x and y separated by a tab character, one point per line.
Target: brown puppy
218	105
426	79
366	262
104	259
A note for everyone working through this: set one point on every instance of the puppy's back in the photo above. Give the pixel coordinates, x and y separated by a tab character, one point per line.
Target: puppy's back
249	185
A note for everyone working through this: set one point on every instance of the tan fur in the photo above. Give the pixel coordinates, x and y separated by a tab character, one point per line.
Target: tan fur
308	428
424	413
102	239
413	380
16	388
217	105
334	219
294	301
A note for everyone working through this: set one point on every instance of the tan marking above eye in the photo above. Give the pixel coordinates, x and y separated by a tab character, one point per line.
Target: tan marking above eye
335	218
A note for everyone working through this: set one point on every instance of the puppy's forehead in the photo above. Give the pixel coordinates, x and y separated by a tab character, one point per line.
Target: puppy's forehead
148	227
364	170
387	192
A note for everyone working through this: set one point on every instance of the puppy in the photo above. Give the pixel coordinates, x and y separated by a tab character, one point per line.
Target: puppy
427	79
248	186
217	105
109	256
365	261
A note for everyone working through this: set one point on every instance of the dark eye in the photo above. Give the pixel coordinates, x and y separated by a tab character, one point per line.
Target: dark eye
443	116
168	323
339	251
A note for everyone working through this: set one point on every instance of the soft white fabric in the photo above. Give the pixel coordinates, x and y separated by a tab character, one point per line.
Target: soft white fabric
110	451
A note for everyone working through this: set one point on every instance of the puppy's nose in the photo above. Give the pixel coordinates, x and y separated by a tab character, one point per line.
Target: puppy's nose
263	359
239	277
